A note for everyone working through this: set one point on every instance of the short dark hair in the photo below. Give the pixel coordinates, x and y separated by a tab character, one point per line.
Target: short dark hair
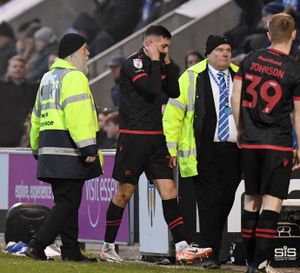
158	30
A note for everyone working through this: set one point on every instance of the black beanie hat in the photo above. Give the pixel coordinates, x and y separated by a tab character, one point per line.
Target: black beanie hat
69	44
214	41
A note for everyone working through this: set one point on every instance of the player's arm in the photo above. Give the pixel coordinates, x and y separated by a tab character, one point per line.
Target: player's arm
236	100
296	122
171	86
149	83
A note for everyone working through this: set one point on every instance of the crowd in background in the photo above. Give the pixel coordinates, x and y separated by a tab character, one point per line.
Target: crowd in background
251	32
25	55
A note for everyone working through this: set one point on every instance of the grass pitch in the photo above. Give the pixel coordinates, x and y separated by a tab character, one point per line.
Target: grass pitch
13	264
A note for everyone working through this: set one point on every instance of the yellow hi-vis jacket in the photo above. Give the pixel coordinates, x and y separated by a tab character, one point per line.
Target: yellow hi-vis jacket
178	120
64	125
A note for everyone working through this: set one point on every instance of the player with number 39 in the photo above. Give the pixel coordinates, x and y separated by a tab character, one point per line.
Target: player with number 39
266	93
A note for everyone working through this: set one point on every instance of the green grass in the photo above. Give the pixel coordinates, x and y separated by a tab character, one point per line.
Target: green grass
13	264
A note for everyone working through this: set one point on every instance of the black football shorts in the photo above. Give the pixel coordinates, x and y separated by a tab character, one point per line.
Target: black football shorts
267	172
142	153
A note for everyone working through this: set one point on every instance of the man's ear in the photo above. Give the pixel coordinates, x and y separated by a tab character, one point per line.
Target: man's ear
269	36
294	33
149	41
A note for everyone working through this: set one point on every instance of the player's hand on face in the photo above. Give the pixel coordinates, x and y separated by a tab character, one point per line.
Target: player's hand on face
296	160
167	58
152	51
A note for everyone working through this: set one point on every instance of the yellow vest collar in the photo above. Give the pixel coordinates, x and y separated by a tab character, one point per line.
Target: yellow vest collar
61	63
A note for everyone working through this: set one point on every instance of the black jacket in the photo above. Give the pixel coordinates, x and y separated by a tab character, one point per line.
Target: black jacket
15	104
205	118
142	84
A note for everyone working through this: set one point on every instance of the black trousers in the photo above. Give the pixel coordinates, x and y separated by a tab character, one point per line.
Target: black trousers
214	191
63	217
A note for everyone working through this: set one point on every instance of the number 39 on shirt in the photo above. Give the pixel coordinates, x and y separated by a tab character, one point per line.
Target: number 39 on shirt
253	90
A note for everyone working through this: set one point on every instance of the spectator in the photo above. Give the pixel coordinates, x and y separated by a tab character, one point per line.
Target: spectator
293	3
21	34
102	137
115	66
21	43
25	140
127	12
192	57
86	26
292	10
259	38
269	10
51	59
45	43
112	130
169	5
17	99
153	9
249	19
7	46
102	115
29	53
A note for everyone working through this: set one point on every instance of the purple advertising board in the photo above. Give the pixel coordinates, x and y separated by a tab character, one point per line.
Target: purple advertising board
97	193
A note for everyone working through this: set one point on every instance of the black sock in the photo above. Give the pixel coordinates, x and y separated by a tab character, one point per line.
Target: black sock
174	219
113	221
265	232
249	220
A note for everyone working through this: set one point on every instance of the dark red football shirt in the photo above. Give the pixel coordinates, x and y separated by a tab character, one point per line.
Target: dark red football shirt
271	81
142	83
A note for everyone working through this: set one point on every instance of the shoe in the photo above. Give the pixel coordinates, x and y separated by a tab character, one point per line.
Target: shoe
191	253
264	267
210	264
108	254
73	254
35	254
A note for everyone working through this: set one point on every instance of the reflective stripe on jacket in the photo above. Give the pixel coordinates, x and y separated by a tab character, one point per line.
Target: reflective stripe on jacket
64	123
178	121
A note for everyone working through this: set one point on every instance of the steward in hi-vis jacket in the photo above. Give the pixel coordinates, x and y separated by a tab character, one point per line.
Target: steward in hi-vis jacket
64	125
200	131
63	139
